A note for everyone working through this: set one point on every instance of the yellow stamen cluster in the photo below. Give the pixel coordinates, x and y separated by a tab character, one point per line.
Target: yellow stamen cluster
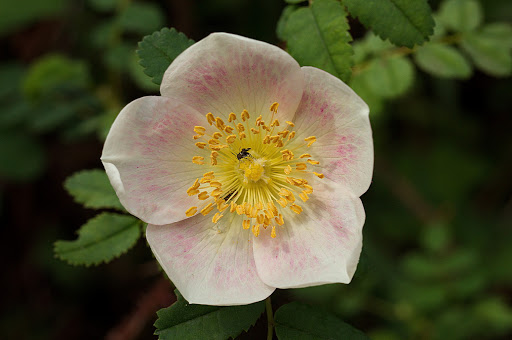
254	171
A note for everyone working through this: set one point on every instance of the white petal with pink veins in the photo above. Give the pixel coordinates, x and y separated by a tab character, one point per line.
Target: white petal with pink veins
226	73
338	118
321	245
148	158
210	264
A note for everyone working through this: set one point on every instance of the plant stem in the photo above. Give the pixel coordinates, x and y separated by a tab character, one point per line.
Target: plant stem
270	319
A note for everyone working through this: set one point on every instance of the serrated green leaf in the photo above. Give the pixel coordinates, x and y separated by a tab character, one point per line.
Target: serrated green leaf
461	15
158	50
283	20
442	61
389	77
101	239
184	321
318	36
22	157
295	321
403	22
488	53
141	18
92	189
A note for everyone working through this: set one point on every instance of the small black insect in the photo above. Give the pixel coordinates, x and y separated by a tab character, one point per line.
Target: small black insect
243	154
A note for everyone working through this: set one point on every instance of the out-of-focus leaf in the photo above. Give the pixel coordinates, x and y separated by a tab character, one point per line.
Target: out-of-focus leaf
359	84
490	50
118	57
158	50
436	237
294	1
16	14
102	34
389	77
189	322
22	157
55	72
141	17
92	188
461	15
496	313
283	20
442	61
101	239
498	31
298	321
403	22
103	5
318	36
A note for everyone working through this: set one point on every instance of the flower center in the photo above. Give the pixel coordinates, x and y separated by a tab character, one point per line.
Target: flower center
253	170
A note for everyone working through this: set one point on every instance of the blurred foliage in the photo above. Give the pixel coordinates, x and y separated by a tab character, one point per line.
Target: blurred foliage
436	258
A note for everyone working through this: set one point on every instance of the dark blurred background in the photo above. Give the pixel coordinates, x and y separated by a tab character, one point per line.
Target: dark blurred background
437	259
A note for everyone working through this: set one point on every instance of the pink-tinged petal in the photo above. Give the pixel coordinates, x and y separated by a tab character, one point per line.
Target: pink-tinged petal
207	266
226	73
338	118
321	245
148	158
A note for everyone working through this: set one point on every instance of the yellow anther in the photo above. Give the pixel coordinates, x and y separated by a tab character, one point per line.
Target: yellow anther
271	206
305	155
256	230
260	218
266	140
213	142
266	222
279	219
197	136
290	198
304	196
240	127
232	209
253	130
215	184
292	134
196	184
279	143
246	224
198	160
214	154
309	189
240	209
242	135
274	106
273	233
301	166
245	115
228	129
210	118
284	192
217	147
258	120
268	213
230	139
217	135
283	133
288	170
199	130
192	191
219	123
312	161
295	208
222	206
216	193
232	117
290	123
206	210
254	212
209	175
274	139
203	195
259	205
216	217
200	145
282	202
191	211
274	123
310	140
319	175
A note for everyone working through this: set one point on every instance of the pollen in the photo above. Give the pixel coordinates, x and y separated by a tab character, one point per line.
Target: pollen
253	174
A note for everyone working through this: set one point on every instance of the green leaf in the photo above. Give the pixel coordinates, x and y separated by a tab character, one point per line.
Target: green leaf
103	5
489	53
498	31
294	1
184	321
389	77
158	50
118	57
461	15
283	20
359	84
101	239
142	18
318	36
295	321
442	61
22	157
403	22
92	189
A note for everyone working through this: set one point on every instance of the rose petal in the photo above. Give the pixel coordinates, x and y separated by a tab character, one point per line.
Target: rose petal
148	158
335	114
319	246
209	267
226	73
